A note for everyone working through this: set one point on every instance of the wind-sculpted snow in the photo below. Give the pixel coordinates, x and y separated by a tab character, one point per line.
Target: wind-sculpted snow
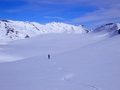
13	30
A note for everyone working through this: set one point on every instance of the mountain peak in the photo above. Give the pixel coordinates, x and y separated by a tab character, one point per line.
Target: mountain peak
109	28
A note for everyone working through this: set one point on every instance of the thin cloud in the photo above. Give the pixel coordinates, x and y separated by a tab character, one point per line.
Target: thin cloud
36	4
54	17
107	21
110	14
13	11
74	2
77	2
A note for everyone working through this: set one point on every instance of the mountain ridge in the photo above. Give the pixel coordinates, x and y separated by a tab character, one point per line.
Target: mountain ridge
13	30
109	28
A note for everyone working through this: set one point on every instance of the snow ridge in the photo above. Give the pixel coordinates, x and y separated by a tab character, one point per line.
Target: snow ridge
13	30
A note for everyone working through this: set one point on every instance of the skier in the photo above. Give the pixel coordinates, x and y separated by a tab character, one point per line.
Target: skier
119	31
48	56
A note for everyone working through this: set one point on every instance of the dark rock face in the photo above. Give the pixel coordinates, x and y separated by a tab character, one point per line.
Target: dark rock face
5	20
109	23
27	36
10	30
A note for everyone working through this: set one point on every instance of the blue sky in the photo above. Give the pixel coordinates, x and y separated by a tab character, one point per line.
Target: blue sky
91	13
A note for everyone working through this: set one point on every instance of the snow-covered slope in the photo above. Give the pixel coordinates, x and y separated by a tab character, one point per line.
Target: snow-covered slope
110	29
12	30
78	62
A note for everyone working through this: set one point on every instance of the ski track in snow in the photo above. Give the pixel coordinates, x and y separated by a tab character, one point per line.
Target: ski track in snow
70	75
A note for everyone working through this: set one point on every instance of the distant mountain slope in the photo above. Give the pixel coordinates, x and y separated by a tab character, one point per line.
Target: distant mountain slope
109	29
12	30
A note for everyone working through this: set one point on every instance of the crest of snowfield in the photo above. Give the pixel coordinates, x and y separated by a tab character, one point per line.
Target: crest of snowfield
109	29
13	30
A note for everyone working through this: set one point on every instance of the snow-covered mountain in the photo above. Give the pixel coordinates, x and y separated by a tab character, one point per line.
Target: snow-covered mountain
12	30
110	29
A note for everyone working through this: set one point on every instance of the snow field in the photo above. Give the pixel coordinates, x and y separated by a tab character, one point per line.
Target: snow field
78	62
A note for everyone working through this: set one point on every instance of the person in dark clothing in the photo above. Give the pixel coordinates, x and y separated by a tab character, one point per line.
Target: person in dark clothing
48	56
119	31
